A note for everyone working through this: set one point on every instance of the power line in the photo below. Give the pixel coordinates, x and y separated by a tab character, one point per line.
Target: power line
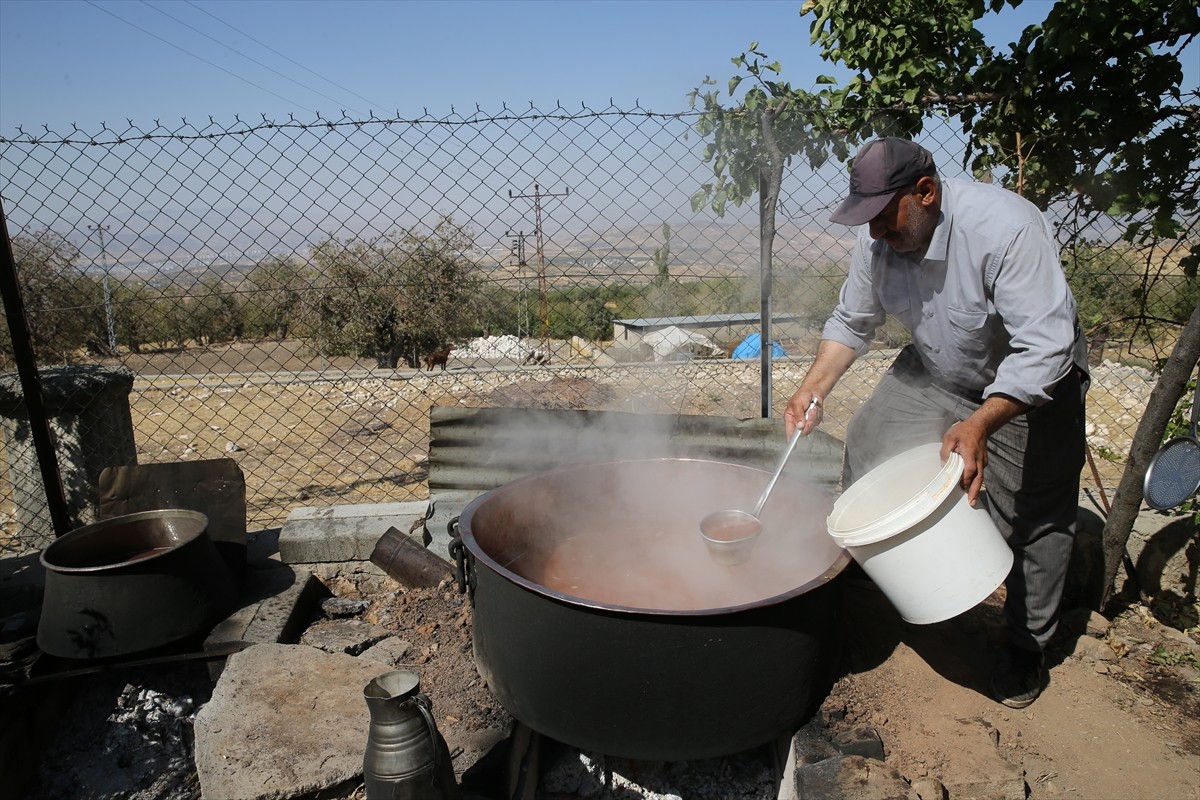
108	306
544	307
283	56
243	55
193	55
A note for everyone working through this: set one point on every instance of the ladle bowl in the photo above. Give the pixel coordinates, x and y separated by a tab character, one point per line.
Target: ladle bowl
730	535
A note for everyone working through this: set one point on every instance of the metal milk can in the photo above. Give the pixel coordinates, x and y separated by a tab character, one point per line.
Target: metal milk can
406	757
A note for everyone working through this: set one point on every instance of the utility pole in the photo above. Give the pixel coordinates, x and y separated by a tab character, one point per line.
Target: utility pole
543	308
518	252
108	311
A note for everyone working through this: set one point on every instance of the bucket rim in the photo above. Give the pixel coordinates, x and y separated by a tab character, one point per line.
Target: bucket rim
908	513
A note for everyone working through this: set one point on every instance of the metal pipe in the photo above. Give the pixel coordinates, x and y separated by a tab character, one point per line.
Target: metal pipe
31	387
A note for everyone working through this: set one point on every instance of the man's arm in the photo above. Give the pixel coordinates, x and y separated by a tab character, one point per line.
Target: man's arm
832	361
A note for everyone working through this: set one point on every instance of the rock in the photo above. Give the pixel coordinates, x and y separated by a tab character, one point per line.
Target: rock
284	721
391	651
1178	636
1097	625
930	789
340	607
351	636
860	741
811	745
1088	649
851	778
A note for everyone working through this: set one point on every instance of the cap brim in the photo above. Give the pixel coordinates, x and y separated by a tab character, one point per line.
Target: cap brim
856	210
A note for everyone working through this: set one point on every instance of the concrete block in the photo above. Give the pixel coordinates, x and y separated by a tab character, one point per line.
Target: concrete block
345	533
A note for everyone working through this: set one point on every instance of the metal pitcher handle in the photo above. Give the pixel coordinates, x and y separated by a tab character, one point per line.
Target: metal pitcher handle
425	706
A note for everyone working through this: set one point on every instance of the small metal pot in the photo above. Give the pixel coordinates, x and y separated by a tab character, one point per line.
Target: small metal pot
132	583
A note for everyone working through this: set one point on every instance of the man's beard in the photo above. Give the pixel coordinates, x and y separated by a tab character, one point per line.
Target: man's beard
915	232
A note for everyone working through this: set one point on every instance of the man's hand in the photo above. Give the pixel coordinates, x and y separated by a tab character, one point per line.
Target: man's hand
832	361
803	411
969	439
970	442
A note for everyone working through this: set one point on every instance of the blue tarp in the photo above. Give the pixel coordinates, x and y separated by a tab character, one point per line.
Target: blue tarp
751	347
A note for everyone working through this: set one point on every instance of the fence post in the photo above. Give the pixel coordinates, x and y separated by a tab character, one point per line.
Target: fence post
87	408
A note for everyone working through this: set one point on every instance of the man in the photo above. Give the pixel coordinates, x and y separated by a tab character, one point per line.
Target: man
995	370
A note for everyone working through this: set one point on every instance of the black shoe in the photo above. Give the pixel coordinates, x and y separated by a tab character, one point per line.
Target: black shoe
1020	678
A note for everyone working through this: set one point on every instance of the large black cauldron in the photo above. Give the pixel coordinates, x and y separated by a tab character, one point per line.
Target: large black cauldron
601	621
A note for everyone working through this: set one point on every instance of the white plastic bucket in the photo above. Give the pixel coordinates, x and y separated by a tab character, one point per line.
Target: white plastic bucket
908	524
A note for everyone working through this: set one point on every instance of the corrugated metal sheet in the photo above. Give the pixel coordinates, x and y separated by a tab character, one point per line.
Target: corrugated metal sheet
483	448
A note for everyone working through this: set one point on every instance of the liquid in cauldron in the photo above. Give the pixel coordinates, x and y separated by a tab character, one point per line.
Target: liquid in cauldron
628	535
667	567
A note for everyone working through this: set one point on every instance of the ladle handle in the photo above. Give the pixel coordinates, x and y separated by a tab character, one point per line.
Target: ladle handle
787	453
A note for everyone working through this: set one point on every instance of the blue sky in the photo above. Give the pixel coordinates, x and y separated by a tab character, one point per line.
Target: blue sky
92	61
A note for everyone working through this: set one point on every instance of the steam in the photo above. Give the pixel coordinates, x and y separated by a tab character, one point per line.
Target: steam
622	527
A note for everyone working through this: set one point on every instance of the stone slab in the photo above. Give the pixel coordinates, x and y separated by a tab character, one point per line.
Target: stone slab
284	721
275	606
323	534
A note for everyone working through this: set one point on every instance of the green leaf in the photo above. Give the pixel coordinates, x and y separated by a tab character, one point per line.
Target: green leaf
733	83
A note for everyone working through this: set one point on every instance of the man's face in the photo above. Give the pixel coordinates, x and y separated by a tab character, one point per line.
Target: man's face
907	222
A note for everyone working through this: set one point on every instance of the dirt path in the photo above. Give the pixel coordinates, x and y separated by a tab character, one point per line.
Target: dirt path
1113	727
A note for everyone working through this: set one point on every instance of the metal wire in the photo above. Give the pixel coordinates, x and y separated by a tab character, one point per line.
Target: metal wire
276	286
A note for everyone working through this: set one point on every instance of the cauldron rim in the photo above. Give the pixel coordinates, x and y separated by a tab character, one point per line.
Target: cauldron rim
467	536
197	527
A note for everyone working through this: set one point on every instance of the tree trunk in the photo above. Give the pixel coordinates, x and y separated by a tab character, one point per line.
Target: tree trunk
1146	441
770	178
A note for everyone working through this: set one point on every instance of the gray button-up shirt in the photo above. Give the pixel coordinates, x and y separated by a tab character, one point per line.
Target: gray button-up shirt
987	303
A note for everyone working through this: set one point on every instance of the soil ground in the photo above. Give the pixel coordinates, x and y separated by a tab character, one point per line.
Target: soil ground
1120	717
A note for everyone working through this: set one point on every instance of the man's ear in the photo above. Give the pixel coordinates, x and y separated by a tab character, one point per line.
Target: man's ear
927	190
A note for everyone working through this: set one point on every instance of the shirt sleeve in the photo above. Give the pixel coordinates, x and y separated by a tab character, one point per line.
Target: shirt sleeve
859	312
1031	295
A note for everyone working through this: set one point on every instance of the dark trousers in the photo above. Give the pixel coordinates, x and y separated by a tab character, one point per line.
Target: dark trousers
1031	479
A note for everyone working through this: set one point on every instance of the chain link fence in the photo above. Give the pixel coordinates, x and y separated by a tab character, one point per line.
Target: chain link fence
296	296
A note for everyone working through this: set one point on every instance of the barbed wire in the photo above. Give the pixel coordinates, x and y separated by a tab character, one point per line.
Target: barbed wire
426	119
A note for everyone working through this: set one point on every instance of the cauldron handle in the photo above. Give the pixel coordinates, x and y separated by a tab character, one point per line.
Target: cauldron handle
464	563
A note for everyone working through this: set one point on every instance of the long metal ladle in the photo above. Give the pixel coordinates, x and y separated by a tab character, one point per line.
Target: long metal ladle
730	534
